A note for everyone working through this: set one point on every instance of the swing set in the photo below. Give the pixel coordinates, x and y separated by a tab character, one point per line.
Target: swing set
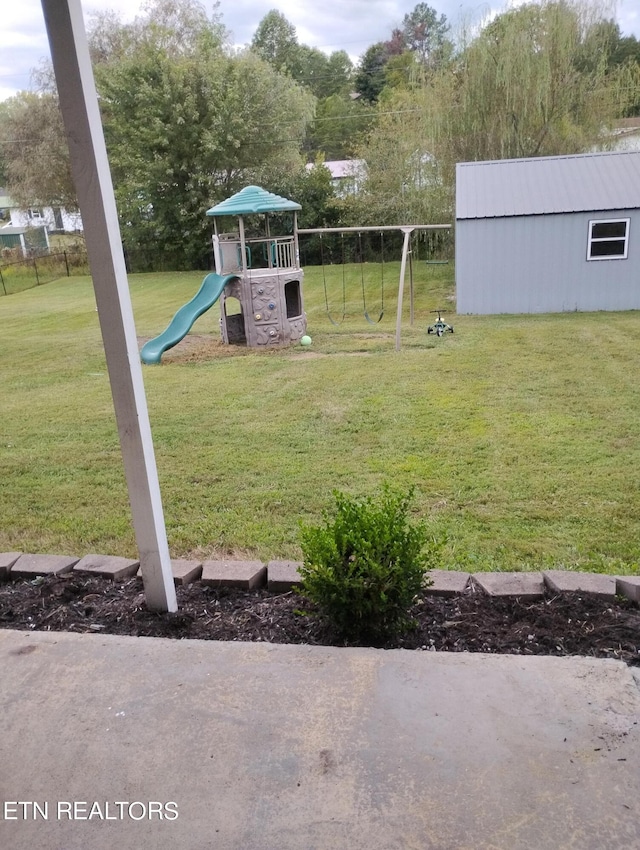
407	231
343	263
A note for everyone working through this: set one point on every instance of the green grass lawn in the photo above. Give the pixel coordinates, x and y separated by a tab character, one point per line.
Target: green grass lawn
521	434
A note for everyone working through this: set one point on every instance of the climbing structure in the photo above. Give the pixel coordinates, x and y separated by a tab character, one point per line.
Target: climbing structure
263	304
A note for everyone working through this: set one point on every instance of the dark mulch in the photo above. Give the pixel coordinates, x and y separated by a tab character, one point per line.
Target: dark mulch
568	624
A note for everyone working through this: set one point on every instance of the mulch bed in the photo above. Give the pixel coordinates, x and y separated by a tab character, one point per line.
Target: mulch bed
567	624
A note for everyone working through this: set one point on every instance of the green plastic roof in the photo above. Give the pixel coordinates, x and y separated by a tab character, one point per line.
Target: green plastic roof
253	199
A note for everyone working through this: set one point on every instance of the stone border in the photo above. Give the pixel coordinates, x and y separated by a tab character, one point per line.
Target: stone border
283	576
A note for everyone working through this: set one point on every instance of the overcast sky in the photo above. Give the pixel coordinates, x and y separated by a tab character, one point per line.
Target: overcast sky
350	25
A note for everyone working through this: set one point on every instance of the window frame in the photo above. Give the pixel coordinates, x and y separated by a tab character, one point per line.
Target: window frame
591	240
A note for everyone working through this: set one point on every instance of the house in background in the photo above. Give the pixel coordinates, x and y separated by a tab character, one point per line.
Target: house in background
54	219
346	174
626	134
549	234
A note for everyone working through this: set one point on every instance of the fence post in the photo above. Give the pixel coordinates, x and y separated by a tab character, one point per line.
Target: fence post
35	268
66	262
2	282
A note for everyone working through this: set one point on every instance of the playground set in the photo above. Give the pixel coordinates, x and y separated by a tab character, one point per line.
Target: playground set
258	277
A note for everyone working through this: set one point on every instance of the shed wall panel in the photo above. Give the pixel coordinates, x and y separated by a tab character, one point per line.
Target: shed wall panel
538	264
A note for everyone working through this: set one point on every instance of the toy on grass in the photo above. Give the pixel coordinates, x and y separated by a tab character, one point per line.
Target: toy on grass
306	340
439	326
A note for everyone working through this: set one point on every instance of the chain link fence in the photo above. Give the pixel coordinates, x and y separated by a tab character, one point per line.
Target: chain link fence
16	275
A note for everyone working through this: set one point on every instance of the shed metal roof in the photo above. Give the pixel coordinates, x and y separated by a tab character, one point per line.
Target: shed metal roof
8	230
550	184
253	199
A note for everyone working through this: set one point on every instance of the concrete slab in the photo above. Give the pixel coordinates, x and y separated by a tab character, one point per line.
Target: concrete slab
265	747
447	582
283	576
107	566
7	560
525	585
245	574
30	566
565	581
628	586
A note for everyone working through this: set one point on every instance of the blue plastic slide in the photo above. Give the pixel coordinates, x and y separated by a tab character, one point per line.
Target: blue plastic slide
182	322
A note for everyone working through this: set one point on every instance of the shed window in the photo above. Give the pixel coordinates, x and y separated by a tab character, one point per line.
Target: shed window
608	239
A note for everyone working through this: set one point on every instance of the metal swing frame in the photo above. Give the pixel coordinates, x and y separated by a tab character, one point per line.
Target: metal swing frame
407	230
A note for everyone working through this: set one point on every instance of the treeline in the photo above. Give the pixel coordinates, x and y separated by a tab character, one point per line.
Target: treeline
189	121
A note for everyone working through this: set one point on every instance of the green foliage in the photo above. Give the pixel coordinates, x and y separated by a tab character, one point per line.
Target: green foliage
370	78
35	152
275	41
533	82
339	124
185	133
366	564
426	34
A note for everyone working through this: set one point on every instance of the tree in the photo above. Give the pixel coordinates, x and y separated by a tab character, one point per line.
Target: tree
426	34
521	91
35	152
622	57
175	27
523	87
339	123
370	77
313	190
185	134
276	42
340	73
321	74
186	124
312	70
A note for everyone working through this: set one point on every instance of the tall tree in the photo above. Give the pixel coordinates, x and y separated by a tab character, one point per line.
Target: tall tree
370	77
516	90
339	124
186	124
426	34
521	91
35	152
275	40
184	135
340	71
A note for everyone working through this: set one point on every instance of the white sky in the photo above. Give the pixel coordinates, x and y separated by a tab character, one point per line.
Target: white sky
350	25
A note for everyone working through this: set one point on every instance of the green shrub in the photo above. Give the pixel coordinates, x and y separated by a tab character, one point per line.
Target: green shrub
364	566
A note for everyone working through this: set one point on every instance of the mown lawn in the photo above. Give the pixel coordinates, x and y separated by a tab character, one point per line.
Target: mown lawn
520	434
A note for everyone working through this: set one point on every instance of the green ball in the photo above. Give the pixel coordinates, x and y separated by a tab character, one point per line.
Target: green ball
306	340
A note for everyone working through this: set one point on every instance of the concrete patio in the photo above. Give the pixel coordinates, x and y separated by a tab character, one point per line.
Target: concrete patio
265	747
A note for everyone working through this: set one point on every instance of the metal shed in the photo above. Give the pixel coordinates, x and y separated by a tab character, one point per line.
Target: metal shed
549	234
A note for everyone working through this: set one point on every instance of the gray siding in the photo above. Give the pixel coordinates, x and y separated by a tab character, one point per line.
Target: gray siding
537	264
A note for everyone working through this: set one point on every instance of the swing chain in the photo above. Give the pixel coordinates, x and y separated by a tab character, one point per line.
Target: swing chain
324	281
364	297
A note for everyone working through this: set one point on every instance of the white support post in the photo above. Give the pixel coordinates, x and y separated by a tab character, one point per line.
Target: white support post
403	267
243	247
90	168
